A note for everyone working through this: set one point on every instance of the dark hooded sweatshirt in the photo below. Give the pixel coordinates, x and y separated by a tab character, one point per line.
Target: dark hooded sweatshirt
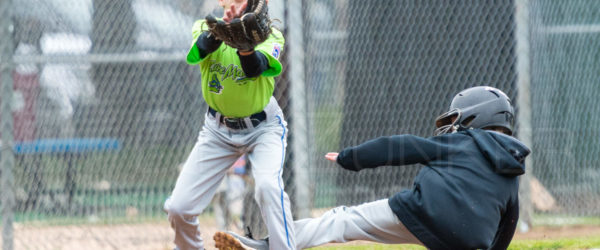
466	196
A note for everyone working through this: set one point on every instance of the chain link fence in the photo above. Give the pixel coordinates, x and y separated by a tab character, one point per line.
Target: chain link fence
105	108
565	104
370	79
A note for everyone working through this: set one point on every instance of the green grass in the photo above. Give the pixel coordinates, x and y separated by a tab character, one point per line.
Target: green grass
566	243
106	184
132	167
371	247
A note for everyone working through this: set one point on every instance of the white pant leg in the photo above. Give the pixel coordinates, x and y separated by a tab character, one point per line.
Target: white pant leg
373	221
266	157
196	185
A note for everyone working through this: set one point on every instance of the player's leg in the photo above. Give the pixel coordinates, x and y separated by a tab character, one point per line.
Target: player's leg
196	185
219	204
266	157
373	221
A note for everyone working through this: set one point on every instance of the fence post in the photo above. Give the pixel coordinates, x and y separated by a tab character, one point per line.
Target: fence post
299	124
524	106
6	124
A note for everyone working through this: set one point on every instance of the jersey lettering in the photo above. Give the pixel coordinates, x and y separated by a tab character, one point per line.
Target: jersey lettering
215	85
230	71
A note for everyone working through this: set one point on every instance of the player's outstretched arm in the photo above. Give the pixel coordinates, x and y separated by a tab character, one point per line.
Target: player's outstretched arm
390	150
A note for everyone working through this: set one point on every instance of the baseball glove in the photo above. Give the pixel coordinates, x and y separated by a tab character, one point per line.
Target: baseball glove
244	33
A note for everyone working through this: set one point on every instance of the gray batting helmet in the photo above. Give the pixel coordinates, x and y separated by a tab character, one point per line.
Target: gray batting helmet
477	107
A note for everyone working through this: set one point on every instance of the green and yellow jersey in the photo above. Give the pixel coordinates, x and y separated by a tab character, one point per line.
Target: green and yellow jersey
225	87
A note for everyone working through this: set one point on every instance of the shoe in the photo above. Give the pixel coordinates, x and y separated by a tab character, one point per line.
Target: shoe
232	241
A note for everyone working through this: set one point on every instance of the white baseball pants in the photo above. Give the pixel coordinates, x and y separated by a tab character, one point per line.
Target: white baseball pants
217	148
373	221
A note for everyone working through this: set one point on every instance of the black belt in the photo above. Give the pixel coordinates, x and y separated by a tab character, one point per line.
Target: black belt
239	123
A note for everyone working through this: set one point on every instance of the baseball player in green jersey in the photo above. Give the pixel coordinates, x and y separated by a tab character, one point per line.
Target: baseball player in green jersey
243	118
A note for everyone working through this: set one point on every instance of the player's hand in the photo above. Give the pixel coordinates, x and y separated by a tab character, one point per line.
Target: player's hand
332	156
234	11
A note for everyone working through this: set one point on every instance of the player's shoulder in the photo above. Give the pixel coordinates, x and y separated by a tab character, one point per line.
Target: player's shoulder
452	140
276	34
451	136
275	31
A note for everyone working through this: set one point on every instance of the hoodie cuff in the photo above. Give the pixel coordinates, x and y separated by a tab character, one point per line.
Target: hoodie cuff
207	43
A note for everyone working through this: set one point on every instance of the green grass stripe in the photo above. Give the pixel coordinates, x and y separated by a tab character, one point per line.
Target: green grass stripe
564	243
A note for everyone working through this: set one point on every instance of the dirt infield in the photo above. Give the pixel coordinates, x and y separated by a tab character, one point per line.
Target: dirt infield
158	236
144	236
153	236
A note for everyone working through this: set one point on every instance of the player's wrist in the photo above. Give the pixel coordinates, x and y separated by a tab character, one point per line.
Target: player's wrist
245	52
207	43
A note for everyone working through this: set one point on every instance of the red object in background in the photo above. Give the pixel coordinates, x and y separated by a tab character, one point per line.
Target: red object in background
26	89
239	167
